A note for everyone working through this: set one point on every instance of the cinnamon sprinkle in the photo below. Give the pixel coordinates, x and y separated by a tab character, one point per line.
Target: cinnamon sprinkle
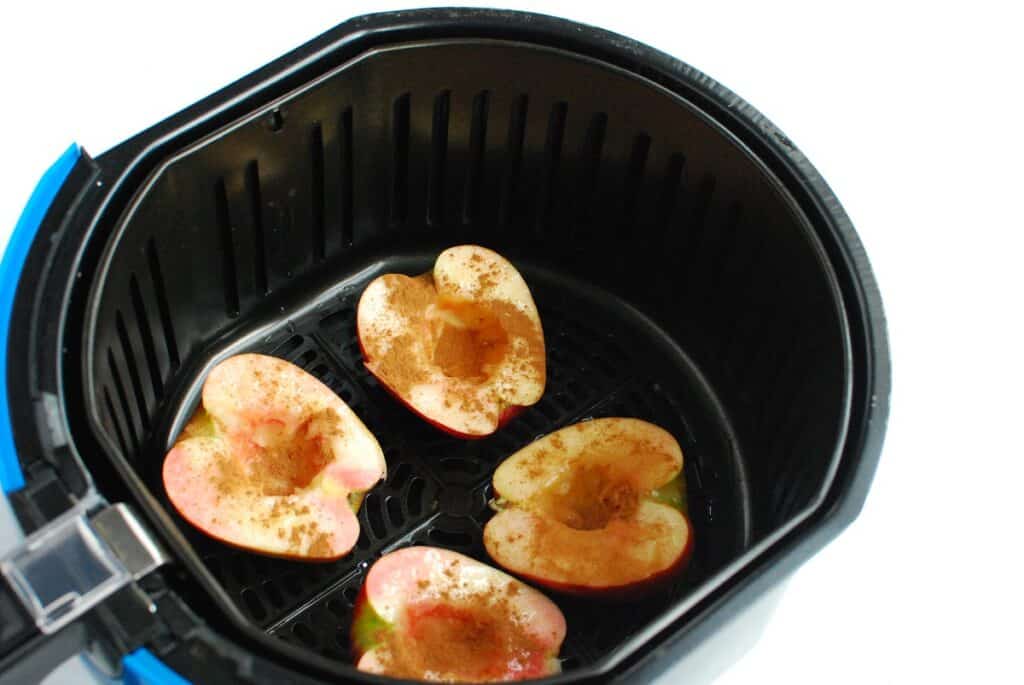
281	463
600	490
495	334
462	635
396	365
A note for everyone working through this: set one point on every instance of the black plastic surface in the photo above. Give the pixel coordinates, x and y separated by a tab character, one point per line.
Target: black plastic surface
16	625
27	655
408	151
604	360
720	233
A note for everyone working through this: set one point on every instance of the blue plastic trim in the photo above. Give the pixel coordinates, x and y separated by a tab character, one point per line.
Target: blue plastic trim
24	233
142	668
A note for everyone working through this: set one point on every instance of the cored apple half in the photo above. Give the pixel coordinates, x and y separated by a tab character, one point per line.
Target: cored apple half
462	346
273	461
431	614
596	508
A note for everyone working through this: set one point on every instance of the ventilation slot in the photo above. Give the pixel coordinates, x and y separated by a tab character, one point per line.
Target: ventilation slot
552	159
633	181
590	159
400	162
513	159
701	203
372	507
394	507
118	431
259	251
780	371
450	538
227	247
477	149
416	490
669	194
345	136
255	606
286	348
726	245
123	397
161	302
747	275
133	370
149	349
317	191
400	475
438	159
789	424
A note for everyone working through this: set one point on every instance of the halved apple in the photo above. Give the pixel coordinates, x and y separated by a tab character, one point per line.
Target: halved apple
431	614
596	508
273	461
462	346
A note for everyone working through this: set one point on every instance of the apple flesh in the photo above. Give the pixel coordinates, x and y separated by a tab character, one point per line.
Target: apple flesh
462	346
273	461
595	509
431	614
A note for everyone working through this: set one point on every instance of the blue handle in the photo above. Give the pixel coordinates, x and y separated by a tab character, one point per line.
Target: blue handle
141	667
24	233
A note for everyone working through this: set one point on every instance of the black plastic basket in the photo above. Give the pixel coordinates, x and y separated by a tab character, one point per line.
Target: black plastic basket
690	267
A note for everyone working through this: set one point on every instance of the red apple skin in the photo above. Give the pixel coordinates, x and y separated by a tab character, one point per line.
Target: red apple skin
620	593
509	413
339	502
288	557
272	555
363	609
639	588
506	414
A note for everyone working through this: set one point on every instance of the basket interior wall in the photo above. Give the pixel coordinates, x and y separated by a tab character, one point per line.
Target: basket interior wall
664	261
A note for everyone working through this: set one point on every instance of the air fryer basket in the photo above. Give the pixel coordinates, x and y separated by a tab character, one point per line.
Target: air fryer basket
689	268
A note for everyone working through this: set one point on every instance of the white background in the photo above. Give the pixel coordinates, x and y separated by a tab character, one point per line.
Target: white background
911	112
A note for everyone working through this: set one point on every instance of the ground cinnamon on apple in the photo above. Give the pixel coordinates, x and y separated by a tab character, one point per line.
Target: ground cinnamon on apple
460	635
229	479
457	354
287	463
519	325
590	496
464	353
535	465
395	362
282	460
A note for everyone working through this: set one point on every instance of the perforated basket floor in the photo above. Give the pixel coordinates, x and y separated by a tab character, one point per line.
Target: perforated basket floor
604	359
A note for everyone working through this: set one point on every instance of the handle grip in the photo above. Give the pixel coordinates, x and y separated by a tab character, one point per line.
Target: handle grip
11	478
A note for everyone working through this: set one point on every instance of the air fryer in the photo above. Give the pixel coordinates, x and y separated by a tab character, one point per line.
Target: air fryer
689	265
